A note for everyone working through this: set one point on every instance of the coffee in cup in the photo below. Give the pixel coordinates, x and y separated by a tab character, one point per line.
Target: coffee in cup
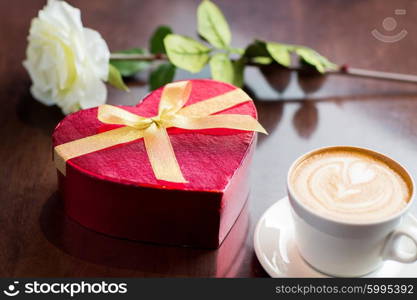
348	204
350	185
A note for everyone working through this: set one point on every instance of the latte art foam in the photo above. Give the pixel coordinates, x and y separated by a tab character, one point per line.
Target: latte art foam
351	186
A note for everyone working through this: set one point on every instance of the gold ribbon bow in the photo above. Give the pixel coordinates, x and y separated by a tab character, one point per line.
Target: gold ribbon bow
171	113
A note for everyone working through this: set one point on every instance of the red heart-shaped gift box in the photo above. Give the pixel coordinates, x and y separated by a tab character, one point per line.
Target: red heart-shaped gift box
114	190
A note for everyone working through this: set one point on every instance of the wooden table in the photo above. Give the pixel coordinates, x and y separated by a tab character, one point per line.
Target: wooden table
37	239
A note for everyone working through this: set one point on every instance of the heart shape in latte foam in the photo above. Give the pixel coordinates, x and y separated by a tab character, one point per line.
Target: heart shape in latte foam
360	172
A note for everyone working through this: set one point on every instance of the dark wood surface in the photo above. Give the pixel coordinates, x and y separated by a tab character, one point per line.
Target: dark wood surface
36	239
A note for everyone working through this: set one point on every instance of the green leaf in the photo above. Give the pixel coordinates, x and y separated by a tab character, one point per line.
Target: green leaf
162	75
315	59
258	53
239	51
130	67
156	43
115	78
261	52
256	49
223	69
238	68
262	60
212	25
281	53
186	53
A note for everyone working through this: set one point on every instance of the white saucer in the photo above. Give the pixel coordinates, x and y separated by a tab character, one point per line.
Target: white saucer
278	254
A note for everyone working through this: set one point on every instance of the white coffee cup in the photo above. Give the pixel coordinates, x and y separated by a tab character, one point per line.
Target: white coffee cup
349	249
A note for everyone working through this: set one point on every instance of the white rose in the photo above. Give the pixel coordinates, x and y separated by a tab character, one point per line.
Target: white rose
66	62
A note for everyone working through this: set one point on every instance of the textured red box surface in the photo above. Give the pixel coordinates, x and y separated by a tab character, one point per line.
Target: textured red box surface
114	191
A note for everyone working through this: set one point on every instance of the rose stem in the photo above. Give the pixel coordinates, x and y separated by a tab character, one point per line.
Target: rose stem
343	70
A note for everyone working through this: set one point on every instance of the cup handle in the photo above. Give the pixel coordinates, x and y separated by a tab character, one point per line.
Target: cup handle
392	249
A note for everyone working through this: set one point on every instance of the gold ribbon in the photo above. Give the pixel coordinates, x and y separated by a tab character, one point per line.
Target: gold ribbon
171	113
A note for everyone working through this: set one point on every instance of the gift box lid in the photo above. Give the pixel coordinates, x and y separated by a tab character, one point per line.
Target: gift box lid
208	158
